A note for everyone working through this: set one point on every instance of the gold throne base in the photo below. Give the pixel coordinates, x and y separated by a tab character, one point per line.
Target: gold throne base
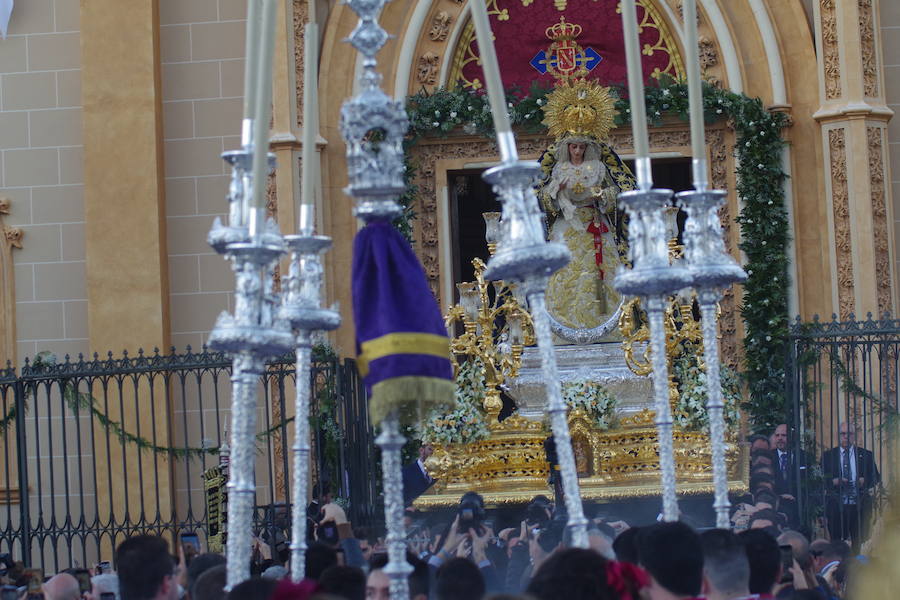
510	467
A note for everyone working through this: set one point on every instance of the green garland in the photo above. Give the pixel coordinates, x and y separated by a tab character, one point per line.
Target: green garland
763	218
81	401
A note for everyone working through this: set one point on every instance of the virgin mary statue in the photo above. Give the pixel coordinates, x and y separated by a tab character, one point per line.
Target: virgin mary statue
582	178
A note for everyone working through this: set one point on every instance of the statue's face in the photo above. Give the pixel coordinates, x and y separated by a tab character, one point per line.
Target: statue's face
576	151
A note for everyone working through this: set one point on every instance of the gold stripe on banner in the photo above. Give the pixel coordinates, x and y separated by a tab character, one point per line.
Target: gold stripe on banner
402	343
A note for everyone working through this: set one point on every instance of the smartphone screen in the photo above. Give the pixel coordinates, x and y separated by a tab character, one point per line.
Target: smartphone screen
190	543
787	563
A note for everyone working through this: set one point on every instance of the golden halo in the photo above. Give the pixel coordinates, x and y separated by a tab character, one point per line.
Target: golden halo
581	108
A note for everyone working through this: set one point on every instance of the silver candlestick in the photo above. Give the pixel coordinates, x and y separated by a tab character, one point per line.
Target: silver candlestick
653	278
712	270
252	334
524	257
301	307
375	170
398	568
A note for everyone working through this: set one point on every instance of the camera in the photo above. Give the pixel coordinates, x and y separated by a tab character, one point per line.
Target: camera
537	513
471	512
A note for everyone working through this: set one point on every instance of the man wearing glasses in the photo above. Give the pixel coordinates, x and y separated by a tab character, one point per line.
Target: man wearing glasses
850	475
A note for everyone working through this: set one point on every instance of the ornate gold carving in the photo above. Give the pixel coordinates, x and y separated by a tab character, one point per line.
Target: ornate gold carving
12	238
840	201
427	68
830	51
666	43
884	293
495	333
440	26
511	467
867	48
300	8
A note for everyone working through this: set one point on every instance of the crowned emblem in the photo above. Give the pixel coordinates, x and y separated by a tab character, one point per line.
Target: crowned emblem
565	59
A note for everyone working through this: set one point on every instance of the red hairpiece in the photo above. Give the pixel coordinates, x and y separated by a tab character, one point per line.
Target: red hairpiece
624	577
287	590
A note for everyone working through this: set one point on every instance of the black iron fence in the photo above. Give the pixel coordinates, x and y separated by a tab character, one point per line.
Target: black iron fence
94	451
843	382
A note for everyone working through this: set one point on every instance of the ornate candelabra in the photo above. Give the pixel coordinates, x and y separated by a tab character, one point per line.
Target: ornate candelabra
252	334
495	331
653	278
302	308
711	270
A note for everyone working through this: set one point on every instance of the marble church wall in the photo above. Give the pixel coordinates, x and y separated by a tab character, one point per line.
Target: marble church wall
41	154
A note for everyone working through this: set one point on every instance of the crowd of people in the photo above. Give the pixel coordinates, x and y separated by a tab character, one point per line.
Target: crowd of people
466	559
468	555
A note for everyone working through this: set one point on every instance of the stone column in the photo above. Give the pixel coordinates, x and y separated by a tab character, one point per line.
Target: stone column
125	231
853	117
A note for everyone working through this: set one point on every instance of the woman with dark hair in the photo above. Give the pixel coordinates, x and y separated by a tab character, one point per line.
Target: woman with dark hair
577	574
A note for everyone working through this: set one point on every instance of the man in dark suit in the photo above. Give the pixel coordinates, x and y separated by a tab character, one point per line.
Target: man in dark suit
786	463
850	475
416	479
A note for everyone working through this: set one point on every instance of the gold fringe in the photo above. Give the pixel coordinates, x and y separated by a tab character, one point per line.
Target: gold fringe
411	395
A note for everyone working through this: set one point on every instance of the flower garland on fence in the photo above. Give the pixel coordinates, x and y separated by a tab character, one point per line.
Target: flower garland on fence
763	218
594	399
80	402
466	422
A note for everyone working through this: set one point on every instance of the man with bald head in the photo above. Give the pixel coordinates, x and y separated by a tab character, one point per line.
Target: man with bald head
62	587
850	474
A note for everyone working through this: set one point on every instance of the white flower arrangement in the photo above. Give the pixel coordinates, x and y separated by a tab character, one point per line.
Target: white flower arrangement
594	399
466	423
690	410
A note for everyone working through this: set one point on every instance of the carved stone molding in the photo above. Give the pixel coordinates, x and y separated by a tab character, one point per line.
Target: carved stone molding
301	11
12	238
881	244
709	54
440	26
427	68
831	53
840	202
867	48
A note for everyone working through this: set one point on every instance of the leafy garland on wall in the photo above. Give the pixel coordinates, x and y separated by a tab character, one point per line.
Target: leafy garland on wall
763	218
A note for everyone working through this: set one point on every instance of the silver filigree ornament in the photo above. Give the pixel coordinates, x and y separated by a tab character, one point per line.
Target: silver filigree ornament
653	278
712	270
373	125
302	308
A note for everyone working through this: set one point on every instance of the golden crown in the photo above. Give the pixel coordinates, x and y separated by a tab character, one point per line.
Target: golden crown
580	108
563	30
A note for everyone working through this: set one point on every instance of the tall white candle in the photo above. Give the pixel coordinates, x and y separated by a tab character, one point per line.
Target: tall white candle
492	80
636	92
252	47
262	115
695	92
310	127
